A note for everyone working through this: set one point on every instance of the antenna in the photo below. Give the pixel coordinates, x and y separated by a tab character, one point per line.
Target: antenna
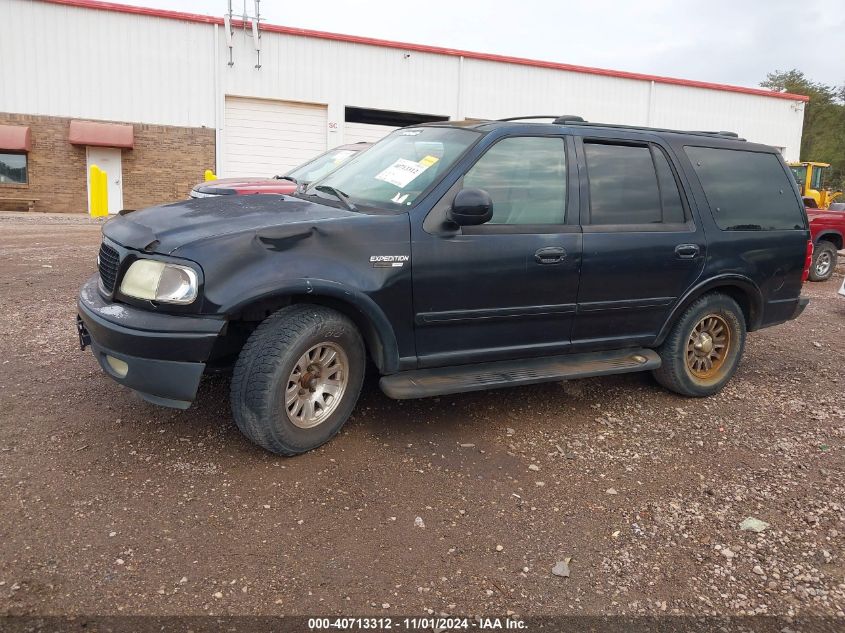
256	34
230	32
246	21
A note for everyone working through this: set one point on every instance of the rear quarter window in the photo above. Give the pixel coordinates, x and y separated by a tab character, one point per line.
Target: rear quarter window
747	191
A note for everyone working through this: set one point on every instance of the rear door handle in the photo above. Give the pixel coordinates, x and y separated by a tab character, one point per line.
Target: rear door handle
687	251
550	255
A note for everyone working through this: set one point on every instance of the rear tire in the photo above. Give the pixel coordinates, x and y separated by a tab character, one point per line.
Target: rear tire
824	261
704	347
297	379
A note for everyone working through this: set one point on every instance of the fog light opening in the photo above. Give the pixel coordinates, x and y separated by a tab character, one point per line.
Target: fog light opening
119	367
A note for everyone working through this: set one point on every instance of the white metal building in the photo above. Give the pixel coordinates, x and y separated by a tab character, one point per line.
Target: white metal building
81	59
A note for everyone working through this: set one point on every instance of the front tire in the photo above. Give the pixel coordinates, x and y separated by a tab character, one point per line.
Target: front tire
703	350
824	261
297	379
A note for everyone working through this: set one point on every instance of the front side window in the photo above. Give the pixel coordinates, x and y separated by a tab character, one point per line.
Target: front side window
397	170
747	191
526	179
13	169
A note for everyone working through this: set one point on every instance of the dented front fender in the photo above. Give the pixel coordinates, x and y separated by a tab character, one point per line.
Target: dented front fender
363	261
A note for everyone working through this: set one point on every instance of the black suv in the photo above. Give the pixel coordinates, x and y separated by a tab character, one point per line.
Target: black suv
456	256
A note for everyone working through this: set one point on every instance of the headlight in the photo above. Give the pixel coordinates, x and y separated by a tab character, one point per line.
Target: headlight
158	281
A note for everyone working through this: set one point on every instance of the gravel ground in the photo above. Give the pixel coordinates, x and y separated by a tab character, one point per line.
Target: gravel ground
460	504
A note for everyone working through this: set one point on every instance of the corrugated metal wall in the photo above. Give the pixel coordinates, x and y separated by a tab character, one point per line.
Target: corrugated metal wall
65	61
69	61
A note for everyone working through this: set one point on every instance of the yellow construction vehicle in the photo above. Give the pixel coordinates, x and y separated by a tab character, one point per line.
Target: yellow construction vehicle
810	179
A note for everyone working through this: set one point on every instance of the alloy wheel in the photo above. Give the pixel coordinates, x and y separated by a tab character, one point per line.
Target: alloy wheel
823	263
316	385
708	346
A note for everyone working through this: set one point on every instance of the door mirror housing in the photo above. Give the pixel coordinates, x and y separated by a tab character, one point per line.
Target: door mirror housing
471	207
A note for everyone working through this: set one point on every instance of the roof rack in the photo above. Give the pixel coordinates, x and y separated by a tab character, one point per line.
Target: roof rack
557	119
569	119
721	134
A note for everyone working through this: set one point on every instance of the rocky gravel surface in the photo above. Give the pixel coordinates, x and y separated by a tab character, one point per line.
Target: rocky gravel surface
469	504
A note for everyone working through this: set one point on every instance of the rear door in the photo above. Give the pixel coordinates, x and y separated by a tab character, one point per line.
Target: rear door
642	248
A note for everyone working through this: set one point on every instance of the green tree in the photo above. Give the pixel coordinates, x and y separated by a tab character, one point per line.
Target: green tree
823	138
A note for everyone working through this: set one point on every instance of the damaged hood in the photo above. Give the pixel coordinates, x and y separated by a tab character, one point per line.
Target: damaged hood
165	228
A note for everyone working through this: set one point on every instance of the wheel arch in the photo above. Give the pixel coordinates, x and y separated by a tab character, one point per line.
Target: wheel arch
741	289
832	236
368	317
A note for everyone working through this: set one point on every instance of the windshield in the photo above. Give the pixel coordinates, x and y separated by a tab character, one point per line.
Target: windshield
321	166
800	173
399	168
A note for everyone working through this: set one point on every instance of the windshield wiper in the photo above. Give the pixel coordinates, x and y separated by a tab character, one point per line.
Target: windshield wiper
291	178
337	193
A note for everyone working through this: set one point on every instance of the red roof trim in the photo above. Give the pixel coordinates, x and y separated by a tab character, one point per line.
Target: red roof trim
207	19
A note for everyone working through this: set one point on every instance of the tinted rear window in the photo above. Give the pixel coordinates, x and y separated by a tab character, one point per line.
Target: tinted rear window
747	191
623	184
670	196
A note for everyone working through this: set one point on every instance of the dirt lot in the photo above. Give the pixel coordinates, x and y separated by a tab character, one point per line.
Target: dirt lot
112	505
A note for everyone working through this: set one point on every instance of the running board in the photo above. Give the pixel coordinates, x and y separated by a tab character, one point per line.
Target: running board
421	383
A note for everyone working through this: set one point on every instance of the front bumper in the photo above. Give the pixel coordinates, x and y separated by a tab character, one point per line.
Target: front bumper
161	356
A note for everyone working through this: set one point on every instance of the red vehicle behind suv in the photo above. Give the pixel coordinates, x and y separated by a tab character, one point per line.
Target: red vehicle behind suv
305	174
827	229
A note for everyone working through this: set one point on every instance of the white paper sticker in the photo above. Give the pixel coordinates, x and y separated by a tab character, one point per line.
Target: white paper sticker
402	172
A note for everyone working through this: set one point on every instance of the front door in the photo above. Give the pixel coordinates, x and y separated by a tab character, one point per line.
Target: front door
505	289
642	248
109	160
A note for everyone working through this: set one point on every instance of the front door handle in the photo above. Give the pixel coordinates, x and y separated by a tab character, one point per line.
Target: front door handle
687	251
550	255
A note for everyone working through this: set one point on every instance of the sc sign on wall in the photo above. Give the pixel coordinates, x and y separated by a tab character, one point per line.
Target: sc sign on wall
265	138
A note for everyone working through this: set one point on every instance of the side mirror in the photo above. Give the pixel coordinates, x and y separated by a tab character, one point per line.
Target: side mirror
471	207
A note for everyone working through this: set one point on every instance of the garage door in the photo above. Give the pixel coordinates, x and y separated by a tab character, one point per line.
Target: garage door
265	138
354	132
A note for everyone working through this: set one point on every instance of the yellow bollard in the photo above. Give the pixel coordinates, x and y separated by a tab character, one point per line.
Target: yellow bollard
104	192
99	203
209	175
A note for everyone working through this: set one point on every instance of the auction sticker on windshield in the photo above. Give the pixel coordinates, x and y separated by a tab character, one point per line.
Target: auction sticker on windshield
403	171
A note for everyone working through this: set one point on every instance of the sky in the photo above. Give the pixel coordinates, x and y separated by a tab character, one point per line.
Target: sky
733	42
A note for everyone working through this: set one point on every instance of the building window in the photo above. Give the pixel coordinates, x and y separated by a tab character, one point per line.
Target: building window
389	117
12	169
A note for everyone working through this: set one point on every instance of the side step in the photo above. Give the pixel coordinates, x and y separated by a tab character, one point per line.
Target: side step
420	383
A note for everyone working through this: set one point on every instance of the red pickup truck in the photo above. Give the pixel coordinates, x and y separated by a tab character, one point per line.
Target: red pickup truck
827	229
306	173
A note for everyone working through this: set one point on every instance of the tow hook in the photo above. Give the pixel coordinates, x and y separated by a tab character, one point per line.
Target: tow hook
84	337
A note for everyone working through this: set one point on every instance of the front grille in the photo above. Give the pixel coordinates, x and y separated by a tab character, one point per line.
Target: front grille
108	261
